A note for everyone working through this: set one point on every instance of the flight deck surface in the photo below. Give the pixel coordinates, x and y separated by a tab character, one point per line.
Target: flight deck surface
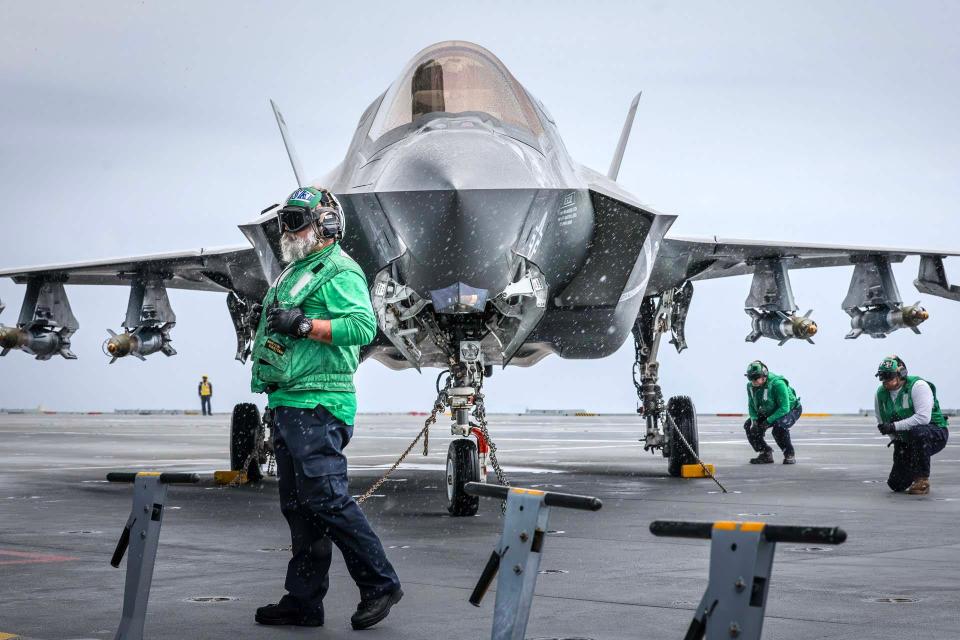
605	576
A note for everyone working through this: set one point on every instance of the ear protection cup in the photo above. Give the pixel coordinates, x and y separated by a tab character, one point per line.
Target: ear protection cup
902	369
330	224
331	221
339	211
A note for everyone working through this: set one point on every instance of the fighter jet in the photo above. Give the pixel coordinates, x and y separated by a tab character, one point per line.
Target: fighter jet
485	244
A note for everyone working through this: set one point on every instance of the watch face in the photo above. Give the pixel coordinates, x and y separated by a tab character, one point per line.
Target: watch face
305	326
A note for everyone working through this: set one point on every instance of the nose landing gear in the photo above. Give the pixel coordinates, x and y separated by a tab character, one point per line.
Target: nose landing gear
466	459
463	466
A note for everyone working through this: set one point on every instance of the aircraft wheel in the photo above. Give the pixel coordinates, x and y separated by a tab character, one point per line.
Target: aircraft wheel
463	466
684	416
246	434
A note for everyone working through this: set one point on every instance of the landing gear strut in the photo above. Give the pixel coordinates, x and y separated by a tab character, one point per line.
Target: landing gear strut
671	427
466	459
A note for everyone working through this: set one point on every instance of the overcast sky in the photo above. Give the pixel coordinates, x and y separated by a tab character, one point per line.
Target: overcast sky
129	129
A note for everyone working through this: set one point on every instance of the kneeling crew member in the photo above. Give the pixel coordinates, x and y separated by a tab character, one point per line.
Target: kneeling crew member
771	403
909	413
315	318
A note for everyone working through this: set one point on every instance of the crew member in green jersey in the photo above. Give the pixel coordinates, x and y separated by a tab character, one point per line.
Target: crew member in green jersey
772	404
909	412
315	318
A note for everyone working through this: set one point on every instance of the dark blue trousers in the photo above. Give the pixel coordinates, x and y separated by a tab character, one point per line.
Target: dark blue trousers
911	455
781	432
205	405
317	504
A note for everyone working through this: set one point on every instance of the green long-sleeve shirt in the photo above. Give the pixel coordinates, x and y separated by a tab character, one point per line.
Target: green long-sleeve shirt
345	301
773	400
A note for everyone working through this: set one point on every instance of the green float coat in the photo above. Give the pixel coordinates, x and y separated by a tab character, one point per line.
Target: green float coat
773	400
299	372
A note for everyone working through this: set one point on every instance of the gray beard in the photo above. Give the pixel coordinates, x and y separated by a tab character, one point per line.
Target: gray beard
293	248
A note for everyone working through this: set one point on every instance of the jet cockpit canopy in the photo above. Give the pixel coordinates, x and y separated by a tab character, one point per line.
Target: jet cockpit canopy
455	77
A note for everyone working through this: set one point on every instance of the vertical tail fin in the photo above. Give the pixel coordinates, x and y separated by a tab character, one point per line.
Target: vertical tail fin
624	136
291	152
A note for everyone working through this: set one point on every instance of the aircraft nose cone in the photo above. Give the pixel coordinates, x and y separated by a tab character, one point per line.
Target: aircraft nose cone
458	156
455	236
457	193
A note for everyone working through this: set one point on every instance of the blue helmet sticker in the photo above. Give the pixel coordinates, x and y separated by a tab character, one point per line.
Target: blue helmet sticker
305	196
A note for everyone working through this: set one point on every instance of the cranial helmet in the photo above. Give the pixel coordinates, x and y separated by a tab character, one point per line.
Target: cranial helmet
892	365
756	369
313	205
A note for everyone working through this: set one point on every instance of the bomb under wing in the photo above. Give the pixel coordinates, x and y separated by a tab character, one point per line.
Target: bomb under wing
139	344
781	326
771	306
36	341
873	302
45	324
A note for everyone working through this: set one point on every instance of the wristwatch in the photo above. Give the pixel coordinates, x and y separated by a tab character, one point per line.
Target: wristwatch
305	327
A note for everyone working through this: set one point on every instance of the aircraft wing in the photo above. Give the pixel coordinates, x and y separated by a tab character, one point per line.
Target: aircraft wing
221	269
707	258
873	299
46	321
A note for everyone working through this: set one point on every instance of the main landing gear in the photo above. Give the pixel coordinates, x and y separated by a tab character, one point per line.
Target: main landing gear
671	427
249	447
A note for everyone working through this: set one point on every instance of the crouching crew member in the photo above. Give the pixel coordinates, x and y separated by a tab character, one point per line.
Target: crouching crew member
909	412
772	404
315	318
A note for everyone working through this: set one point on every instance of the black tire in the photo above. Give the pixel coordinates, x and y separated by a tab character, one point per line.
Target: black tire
684	416
246	434
463	466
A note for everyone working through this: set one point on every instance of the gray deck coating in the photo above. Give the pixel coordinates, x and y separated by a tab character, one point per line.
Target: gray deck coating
621	581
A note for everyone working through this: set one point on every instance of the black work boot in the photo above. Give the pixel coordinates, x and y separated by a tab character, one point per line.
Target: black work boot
765	457
289	611
789	458
370	612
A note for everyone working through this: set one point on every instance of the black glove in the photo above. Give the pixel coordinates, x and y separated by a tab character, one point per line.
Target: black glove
887	428
762	423
291	322
253	315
